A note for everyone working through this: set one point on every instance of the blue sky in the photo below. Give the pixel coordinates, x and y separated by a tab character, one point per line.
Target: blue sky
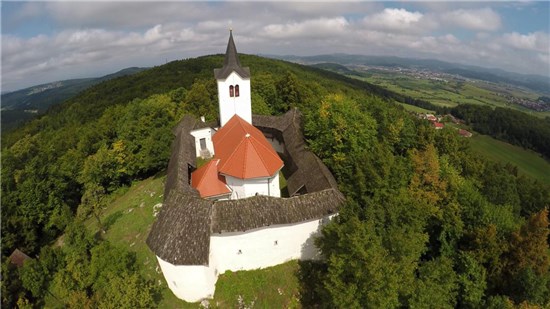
48	41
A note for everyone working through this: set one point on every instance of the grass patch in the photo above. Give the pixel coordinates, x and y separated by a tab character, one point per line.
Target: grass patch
415	109
527	161
273	287
200	161
128	220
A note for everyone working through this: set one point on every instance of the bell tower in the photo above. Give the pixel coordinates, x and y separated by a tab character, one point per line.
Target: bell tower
233	86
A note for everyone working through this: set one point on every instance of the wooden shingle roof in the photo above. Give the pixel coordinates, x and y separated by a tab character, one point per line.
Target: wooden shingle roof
18	258
305	171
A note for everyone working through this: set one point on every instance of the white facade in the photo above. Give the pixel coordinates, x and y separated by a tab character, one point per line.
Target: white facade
230	105
265	247
243	188
258	248
189	282
203	142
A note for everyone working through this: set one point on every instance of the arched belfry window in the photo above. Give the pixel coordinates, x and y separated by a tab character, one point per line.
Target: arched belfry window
231	93
237	90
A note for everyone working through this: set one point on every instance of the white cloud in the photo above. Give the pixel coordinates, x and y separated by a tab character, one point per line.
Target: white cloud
473	19
536	41
91	38
398	20
308	29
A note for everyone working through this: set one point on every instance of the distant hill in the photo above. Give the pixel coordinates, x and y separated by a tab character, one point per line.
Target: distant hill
21	105
533	82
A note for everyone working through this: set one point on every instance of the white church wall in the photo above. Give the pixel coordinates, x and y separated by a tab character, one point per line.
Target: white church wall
237	187
274	188
206	134
265	247
191	283
230	106
243	188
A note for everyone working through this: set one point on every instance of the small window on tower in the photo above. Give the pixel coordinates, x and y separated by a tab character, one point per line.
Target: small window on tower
237	90
231	94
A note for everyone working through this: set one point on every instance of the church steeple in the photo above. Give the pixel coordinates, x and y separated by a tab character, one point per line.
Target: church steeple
231	62
234	95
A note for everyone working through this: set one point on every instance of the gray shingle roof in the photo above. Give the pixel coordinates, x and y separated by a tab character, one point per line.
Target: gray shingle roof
231	62
303	168
262	211
18	258
181	234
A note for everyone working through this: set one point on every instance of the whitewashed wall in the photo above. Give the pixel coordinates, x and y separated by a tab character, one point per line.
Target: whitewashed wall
191	283
265	247
243	188
258	248
207	134
230	106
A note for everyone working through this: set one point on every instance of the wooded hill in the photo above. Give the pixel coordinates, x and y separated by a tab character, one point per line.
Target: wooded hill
427	222
22	105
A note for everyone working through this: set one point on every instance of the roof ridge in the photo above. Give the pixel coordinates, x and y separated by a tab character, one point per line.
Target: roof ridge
207	168
261	157
228	157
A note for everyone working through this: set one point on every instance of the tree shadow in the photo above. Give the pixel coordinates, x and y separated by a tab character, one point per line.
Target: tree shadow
310	275
111	219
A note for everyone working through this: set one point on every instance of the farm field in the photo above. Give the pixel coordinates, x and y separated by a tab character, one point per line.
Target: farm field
528	162
451	92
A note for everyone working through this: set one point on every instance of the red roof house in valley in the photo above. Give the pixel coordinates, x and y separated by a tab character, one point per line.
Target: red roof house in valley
208	182
438	125
244	151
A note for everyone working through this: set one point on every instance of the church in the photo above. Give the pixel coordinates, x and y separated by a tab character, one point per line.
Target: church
229	213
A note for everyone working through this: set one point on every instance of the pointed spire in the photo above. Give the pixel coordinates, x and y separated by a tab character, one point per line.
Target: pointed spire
231	62
231	56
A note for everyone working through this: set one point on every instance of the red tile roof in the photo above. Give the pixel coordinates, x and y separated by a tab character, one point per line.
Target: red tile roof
438	124
244	152
208	182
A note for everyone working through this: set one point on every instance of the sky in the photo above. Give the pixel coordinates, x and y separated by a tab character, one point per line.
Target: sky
50	41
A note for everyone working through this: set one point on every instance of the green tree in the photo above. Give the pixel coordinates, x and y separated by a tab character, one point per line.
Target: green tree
361	274
436	286
471	280
264	86
339	131
259	106
288	92
93	203
201	99
128	291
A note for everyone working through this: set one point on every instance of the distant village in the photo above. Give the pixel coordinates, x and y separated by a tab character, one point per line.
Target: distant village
538	105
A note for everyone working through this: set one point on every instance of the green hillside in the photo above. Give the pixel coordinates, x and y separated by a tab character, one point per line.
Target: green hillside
428	222
528	162
22	105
